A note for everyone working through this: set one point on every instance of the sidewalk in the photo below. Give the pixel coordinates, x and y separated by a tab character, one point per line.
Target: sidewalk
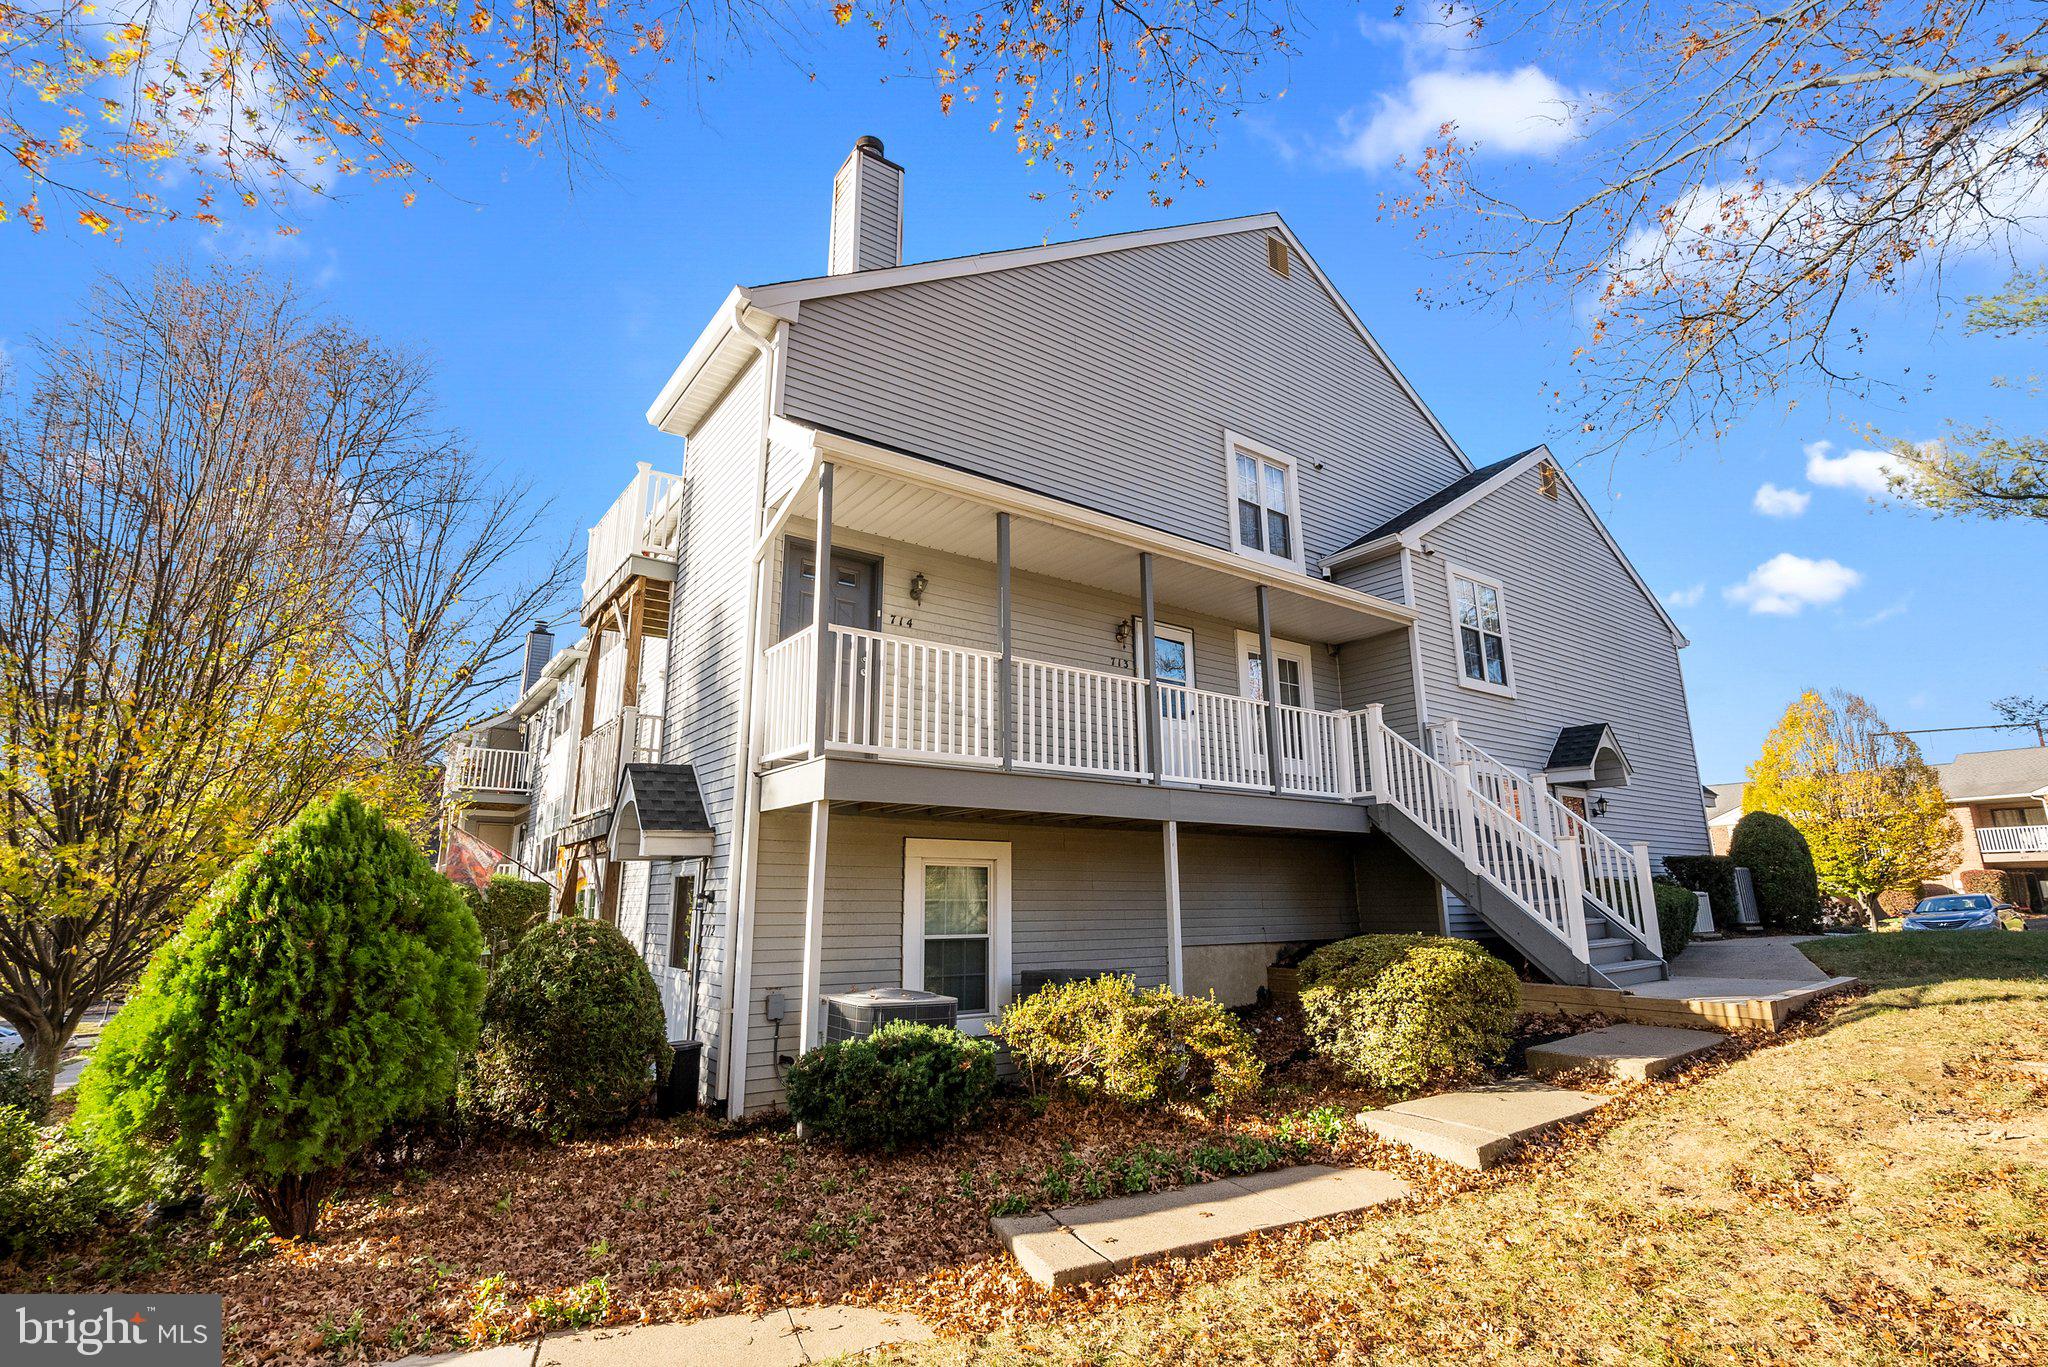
780	1338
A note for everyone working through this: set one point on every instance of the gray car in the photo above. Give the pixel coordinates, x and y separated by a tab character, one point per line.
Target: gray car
1965	911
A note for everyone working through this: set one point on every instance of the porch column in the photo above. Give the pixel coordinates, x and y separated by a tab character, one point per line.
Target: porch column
1146	659
1646	889
1176	977
821	614
1268	693
1006	681
810	1007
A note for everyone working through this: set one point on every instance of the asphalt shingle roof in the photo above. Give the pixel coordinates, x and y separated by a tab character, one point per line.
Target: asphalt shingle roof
1442	498
667	797
1994	773
1576	746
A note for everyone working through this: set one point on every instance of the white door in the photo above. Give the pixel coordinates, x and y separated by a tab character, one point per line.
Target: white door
956	924
1173	662
1293	685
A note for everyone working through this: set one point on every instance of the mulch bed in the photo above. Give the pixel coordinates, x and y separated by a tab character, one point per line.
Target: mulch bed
672	1220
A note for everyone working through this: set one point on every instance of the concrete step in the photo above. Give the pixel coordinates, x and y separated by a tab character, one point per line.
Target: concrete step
1478	1127
1624	1051
1612	949
1632	971
1082	1243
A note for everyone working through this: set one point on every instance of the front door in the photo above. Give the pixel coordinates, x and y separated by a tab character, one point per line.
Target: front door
855	602
1173	662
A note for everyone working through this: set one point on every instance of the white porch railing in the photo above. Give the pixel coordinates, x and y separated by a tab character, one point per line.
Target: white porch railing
604	753
1079	721
642	521
2012	839
893	695
789	685
1216	740
485	769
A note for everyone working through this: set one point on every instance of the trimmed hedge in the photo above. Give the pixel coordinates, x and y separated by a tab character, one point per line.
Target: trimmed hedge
50	1191
904	1084
506	908
1713	874
574	1035
1781	869
326	987
1105	1037
1678	911
2003	884
1401	1011
1898	901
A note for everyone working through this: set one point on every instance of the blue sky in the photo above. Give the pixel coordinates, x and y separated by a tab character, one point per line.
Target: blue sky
554	314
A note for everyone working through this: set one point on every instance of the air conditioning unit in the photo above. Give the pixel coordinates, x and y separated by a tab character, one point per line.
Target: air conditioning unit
854	1015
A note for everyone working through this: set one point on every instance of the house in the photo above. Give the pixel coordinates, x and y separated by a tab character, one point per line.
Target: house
1999	799
1162	626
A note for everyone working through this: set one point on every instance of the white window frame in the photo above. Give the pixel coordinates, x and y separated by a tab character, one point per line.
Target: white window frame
1233	444
995	855
1452	574
1248	646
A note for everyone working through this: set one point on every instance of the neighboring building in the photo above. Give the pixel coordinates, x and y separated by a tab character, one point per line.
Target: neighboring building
1998	797
1164	627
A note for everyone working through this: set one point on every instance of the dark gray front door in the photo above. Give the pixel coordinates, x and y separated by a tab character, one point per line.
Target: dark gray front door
854	579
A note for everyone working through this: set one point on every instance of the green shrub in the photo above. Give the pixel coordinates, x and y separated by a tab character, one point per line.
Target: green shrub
1400	1011
20	1085
50	1190
325	987
1781	869
1678	911
2003	884
574	1034
1713	874
1898	901
1104	1037
506	908
904	1084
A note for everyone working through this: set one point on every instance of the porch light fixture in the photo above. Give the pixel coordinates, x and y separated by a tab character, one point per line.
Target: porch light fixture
1123	632
1599	806
918	584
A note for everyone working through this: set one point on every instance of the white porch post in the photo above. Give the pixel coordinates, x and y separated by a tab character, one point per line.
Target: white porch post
1461	794
810	1005
1646	892
1373	783
1176	977
821	615
1268	691
1575	897
1539	820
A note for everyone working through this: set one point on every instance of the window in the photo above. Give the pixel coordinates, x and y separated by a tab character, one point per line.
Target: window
956	922
1264	507
682	920
1479	618
1294	684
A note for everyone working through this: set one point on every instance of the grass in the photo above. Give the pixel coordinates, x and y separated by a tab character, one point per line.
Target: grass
1871	1188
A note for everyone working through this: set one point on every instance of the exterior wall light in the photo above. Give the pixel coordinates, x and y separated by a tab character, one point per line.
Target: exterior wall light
918	584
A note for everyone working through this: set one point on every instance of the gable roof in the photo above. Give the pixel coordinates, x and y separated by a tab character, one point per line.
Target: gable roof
1981	774
713	358
1575	755
1726	800
659	814
1409	527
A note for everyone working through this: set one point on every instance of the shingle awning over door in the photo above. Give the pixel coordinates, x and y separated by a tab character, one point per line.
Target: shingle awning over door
1588	756
660	814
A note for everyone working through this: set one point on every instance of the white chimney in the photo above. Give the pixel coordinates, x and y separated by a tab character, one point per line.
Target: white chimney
867	211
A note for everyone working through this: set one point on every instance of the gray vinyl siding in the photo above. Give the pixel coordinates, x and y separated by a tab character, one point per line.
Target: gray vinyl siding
1585	644
1396	896
707	640
1251	889
1383	578
1109	381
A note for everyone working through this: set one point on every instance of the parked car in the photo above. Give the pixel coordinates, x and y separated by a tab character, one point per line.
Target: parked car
1972	911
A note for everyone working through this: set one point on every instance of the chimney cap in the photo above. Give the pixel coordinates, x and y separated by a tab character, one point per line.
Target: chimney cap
868	142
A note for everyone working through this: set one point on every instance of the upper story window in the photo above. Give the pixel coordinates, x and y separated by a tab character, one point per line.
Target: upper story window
1265	507
1479	616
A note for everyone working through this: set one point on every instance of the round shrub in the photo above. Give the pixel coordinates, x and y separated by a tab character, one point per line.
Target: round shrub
574	1033
1781	866
1898	901
904	1084
1678	911
1105	1037
50	1191
1399	1011
506	908
326	987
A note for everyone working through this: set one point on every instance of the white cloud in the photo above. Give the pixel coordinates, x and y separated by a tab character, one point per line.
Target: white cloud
1685	598
1885	614
1787	584
1524	110
1865	471
1772	501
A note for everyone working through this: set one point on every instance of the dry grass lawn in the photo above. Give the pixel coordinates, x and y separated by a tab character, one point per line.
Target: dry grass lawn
1872	1189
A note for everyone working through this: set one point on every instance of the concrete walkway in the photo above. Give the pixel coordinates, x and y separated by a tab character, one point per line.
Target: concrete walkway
1478	1127
781	1338
1082	1243
1756	958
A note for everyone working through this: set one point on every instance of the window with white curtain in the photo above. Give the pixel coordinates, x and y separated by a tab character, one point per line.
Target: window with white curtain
1479	617
1265	507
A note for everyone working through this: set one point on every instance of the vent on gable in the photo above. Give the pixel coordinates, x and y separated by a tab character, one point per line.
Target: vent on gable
1547	479
1276	256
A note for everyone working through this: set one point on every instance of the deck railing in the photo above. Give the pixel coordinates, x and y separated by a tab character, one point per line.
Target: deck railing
629	738
485	769
642	521
2012	839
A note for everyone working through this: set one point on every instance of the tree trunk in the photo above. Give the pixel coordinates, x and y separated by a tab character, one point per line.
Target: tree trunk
1872	909
292	1204
43	1044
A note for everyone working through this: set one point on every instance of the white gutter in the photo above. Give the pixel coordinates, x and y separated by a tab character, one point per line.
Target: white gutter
739	921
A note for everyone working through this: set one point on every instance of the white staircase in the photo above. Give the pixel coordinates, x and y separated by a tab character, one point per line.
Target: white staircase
1572	900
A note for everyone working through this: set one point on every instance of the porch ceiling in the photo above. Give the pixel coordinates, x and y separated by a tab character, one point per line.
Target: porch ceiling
876	503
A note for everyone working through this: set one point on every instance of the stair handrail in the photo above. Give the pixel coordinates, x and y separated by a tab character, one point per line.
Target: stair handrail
1616	878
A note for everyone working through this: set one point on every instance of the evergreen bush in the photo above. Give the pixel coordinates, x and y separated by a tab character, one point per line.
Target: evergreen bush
1781	870
574	1035
903	1085
506	908
1402	1011
50	1191
326	987
1678	911
1105	1037
1713	874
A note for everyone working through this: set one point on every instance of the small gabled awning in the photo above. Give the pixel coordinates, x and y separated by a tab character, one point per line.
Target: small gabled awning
659	814
1588	756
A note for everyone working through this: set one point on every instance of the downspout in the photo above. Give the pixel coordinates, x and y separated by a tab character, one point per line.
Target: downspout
739	924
